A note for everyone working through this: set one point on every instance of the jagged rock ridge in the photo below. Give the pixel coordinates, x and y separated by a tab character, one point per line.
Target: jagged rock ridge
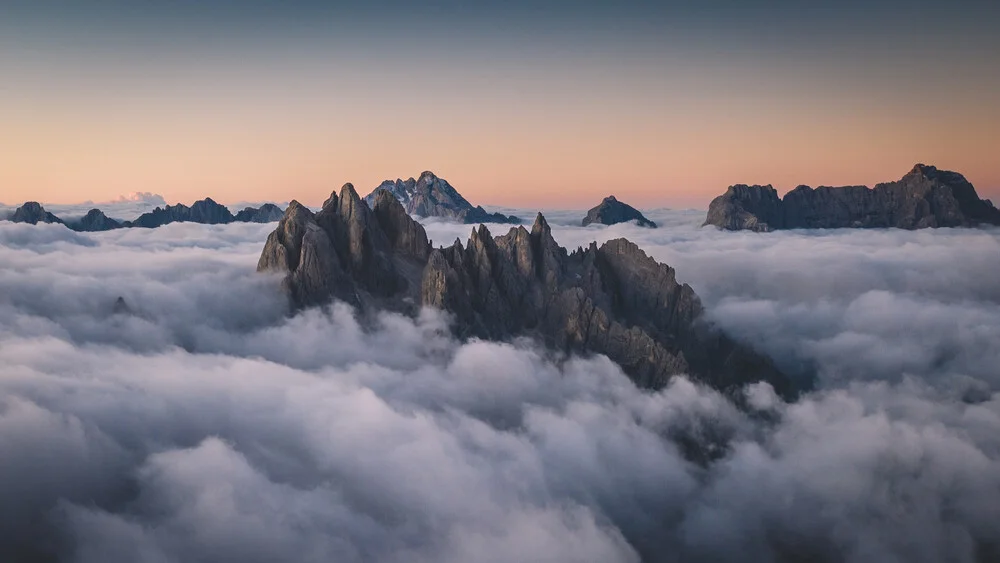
611	212
613	299
205	211
430	196
924	197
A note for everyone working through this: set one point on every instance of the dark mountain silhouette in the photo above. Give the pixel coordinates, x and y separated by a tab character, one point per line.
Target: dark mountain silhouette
924	197
611	212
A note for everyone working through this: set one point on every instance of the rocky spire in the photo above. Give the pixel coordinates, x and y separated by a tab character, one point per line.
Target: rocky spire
612	300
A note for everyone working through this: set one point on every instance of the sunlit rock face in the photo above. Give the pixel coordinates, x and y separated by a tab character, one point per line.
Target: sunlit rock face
431	196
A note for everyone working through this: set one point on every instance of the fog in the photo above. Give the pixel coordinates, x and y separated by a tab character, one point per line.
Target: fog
204	424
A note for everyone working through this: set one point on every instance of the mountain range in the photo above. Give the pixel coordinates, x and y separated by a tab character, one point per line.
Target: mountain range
612	299
205	211
924	197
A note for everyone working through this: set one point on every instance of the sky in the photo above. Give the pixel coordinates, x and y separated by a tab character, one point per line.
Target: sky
545	104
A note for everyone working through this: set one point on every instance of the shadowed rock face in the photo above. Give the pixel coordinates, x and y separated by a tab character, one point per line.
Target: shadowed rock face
430	196
613	299
32	212
924	197
95	221
267	213
611	212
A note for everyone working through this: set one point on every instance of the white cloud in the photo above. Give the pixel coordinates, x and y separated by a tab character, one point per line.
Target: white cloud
209	426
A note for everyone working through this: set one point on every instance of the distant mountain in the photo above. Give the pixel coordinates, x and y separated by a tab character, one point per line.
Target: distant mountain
32	212
612	300
924	197
430	196
95	220
267	213
204	211
611	212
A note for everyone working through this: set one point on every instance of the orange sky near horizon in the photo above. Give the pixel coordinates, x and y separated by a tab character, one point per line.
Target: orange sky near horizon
498	160
524	117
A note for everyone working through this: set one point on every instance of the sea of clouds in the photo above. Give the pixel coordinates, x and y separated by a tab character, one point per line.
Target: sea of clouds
206	425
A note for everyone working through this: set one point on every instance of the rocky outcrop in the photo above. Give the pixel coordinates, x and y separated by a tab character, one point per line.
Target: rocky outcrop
924	197
205	211
430	196
611	212
267	213
32	212
94	221
613	299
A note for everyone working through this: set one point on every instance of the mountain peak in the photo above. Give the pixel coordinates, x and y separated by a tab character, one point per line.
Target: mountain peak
611	212
432	196
624	305
33	213
541	226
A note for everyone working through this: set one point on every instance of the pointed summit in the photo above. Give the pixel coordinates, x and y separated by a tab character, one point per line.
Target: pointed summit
541	226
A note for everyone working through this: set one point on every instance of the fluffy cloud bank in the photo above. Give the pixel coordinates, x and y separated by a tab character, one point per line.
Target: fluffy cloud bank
205	425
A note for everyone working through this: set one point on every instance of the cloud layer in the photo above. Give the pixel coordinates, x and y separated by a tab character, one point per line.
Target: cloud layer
205	425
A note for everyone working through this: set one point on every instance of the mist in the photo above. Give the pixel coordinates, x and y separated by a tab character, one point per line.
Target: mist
206	424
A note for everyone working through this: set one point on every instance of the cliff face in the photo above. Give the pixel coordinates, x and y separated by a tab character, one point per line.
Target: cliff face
611	212
612	299
924	197
430	196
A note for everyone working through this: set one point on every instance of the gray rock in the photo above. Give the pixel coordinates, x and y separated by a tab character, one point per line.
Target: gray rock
33	213
924	197
611	212
267	213
430	196
613	300
95	221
